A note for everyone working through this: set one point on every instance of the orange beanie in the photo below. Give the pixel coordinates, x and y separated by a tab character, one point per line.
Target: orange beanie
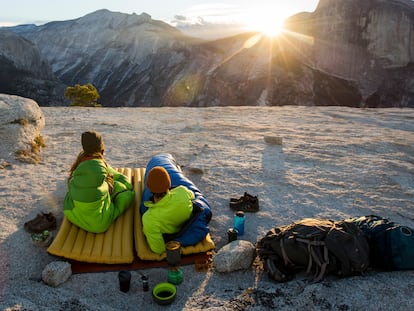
158	180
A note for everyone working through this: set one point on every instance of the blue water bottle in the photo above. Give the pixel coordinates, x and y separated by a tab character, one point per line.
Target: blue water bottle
239	220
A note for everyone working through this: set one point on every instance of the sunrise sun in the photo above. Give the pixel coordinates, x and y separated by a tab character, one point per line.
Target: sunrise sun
270	28
268	21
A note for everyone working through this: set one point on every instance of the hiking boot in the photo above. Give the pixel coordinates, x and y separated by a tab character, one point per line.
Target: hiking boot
43	221
246	203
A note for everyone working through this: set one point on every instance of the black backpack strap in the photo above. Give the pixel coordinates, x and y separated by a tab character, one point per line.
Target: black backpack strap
317	260
286	259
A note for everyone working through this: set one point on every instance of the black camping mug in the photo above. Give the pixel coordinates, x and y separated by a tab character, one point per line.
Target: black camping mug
231	235
173	249
124	280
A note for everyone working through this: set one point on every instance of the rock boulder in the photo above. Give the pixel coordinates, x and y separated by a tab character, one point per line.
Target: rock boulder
237	255
56	273
21	121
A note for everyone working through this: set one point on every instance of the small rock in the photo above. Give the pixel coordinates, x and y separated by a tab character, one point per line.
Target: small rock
195	170
56	273
236	255
273	140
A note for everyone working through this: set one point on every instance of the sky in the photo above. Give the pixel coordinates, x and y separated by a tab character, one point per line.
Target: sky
256	12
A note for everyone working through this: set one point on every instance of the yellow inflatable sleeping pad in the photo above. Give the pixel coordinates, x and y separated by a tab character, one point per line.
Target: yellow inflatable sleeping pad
115	246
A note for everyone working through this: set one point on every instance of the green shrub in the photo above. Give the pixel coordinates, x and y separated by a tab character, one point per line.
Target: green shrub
83	95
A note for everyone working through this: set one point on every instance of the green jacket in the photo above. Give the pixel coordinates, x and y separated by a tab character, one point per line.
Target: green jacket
88	203
166	216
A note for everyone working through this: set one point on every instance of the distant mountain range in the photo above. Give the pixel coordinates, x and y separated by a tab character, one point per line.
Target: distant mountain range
346	53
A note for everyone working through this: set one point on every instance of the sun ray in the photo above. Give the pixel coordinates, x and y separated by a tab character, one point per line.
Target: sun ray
286	45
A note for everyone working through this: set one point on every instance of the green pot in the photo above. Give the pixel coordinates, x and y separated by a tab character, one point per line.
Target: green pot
164	293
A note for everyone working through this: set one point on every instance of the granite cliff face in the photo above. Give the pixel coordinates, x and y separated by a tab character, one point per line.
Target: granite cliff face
24	72
370	42
345	53
119	54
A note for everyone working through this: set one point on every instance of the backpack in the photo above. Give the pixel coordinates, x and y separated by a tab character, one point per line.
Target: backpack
391	244
318	246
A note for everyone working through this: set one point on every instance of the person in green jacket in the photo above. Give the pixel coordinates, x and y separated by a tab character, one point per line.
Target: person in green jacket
168	209
97	194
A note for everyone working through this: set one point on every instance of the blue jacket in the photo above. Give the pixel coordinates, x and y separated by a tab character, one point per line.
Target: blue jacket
198	228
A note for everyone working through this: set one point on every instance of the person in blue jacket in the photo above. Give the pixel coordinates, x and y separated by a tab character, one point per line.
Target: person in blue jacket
195	229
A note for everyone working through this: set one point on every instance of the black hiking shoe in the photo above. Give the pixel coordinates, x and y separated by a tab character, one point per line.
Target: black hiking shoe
43	221
246	203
